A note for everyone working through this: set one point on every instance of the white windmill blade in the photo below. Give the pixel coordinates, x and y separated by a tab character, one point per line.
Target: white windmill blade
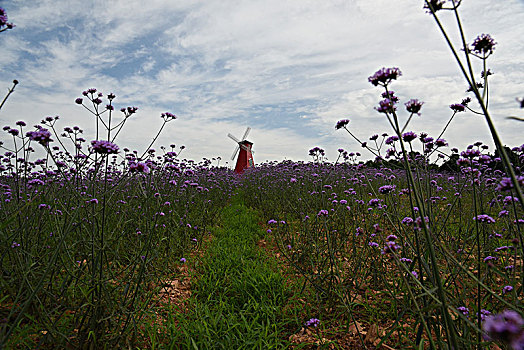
245	134
235	153
250	150
233	138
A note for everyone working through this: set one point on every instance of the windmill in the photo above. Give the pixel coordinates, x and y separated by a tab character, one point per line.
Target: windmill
245	157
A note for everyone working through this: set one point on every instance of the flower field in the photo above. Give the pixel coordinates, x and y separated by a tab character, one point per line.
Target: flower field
356	235
420	247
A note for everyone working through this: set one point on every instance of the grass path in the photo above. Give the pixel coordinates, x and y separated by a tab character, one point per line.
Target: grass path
240	299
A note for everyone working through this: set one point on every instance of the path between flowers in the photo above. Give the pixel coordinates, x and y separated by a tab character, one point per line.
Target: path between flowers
239	297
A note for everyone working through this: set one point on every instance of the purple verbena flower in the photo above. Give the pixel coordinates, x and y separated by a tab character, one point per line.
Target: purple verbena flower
409	136
168	116
506	184
386	106
3	21
489	258
414	106
104	147
42	136
386	189
407	220
313	322
483	44
138	167
391	246
3	17
390	95
341	123
441	143
457	107
390	140
506	326
484	218
464	310
384	76
374	202
483	314
436	5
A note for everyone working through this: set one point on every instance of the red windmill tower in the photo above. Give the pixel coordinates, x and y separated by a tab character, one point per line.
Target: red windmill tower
245	157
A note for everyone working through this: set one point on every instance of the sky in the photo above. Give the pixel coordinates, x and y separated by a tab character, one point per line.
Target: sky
289	69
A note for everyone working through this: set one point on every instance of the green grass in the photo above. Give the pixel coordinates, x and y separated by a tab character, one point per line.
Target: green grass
239	298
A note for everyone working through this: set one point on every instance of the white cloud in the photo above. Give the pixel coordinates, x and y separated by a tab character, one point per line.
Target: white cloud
223	65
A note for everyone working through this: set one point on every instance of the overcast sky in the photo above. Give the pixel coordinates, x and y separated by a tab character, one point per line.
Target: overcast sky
288	69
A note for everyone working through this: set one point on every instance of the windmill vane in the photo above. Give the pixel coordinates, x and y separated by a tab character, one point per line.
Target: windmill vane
245	153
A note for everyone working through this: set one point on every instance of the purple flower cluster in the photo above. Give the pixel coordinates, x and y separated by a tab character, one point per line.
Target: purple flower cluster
483	314
168	116
386	189
483	45
390	140
463	310
414	106
407	220
312	322
391	245
129	110
441	143
341	123
104	147
507	327
506	184
409	136
316	151
434	5
384	76
374	202
386	106
3	21
457	107
138	167
42	136
390	95
484	218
